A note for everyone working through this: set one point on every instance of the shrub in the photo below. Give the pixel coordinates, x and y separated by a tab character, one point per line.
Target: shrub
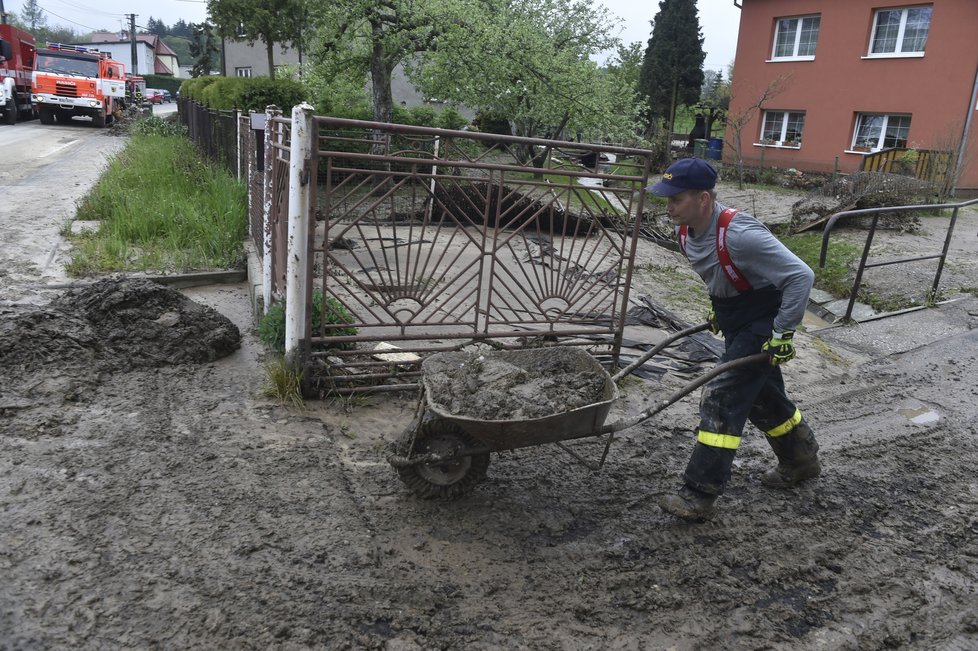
450	118
244	93
271	328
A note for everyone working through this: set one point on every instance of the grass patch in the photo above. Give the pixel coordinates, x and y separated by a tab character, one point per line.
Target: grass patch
838	275
282	382
161	208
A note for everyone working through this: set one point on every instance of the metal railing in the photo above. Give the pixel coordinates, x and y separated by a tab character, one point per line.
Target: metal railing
875	213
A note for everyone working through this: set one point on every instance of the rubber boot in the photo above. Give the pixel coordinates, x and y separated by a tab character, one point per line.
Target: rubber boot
690	504
797	453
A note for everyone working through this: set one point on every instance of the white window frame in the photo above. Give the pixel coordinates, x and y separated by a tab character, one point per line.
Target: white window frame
797	38
901	34
244	71
784	117
883	128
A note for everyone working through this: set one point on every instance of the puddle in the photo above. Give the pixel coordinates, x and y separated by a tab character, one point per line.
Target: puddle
922	416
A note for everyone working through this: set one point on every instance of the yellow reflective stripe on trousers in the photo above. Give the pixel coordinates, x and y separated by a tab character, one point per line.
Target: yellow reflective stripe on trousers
715	440
786	426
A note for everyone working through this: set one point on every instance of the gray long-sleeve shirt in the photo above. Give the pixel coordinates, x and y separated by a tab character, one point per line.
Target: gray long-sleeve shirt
760	257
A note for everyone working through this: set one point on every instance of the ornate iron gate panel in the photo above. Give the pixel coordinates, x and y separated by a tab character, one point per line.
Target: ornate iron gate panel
427	239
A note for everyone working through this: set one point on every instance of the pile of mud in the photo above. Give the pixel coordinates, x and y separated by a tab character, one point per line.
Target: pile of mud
514	385
113	324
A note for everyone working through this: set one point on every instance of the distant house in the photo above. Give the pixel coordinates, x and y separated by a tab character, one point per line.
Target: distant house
242	59
859	77
153	56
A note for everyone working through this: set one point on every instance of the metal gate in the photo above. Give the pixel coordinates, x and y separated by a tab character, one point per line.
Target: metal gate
428	239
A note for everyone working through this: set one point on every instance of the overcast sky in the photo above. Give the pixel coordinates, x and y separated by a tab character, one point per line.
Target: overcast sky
719	19
719	22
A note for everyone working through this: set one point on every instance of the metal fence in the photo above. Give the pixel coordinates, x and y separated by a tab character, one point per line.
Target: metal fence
421	240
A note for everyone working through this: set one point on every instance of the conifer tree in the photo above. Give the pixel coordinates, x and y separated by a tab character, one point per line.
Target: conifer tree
672	68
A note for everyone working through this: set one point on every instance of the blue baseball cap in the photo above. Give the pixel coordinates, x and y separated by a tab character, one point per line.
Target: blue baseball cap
685	174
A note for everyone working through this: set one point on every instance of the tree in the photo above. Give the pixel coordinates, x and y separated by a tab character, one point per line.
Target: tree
202	49
181	28
672	70
33	16
714	100
361	39
530	60
158	27
273	22
737	121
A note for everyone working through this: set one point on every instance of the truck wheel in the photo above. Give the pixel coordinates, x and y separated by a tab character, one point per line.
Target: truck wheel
99	120
46	114
10	113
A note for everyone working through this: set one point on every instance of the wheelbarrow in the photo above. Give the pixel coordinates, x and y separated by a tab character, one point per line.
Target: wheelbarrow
444	452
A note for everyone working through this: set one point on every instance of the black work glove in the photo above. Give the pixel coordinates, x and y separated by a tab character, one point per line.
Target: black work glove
780	347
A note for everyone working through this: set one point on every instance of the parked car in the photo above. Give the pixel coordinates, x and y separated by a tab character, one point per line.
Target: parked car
153	96
167	97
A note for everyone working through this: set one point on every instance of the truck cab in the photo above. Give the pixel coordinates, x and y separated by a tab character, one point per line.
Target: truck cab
16	65
72	80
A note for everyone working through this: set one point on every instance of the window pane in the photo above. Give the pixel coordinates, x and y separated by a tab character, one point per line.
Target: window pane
773	121
796	124
784	45
915	32
868	131
887	28
897	130
809	36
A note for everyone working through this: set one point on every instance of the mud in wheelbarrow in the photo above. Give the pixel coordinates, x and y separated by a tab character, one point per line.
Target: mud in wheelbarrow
558	394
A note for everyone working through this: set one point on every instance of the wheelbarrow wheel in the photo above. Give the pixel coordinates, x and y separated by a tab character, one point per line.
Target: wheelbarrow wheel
448	480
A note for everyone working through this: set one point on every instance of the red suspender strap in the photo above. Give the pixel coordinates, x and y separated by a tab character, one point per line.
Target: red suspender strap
733	274
682	239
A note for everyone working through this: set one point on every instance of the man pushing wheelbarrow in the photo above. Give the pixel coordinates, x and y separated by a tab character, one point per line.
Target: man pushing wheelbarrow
759	291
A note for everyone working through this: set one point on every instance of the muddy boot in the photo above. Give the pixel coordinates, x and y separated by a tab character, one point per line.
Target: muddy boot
797	453
690	504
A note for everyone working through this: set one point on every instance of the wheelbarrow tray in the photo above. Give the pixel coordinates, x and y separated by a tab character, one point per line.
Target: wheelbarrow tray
508	434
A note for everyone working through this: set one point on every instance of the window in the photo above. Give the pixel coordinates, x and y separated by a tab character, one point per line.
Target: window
782	128
900	32
243	72
875	131
795	38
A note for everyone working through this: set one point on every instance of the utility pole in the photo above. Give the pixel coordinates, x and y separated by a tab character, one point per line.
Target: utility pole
132	42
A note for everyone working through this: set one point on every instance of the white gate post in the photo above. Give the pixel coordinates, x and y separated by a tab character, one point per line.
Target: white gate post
271	112
300	191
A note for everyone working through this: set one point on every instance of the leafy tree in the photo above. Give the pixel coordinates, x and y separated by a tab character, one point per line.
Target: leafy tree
672	70
33	16
203	49
530	60
273	22
714	99
361	39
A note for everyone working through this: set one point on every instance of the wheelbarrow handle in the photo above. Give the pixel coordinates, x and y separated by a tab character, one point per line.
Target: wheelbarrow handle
625	423
649	354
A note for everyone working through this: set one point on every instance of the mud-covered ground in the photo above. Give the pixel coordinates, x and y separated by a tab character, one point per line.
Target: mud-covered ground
162	502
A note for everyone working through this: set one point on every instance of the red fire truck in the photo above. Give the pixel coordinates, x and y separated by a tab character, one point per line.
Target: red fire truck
72	80
16	64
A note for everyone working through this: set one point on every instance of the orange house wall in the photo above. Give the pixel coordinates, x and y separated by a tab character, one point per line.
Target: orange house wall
935	89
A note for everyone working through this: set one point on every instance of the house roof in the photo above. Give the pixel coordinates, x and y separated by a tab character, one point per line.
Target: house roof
152	40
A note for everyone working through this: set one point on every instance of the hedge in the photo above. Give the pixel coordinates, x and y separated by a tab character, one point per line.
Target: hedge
244	93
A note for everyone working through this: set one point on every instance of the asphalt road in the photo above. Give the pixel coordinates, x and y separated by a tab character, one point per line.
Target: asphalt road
44	171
